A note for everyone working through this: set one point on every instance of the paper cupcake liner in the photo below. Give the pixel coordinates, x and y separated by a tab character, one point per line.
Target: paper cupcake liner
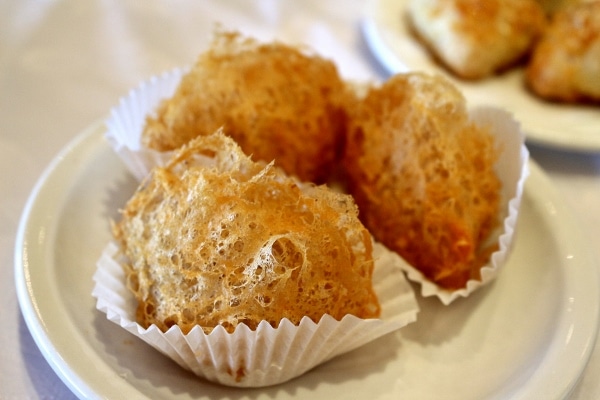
267	355
512	169
126	122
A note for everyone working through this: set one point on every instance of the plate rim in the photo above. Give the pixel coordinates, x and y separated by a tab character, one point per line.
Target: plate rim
82	389
22	272
393	63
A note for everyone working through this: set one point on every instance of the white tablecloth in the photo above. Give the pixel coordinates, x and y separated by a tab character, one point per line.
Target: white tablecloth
64	64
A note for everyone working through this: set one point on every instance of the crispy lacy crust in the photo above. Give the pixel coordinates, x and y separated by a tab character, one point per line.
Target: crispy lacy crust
552	6
217	239
565	65
278	102
423	176
474	38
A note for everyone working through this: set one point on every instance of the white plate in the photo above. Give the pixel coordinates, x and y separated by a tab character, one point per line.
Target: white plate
572	127
528	335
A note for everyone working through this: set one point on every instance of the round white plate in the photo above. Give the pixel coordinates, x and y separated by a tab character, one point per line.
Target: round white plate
527	335
571	127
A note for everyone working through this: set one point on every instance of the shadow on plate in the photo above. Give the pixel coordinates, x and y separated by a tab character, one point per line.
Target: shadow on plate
563	161
437	323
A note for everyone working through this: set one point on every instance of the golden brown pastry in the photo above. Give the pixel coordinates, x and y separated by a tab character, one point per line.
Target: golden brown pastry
423	176
552	6
473	38
214	238
565	65
278	102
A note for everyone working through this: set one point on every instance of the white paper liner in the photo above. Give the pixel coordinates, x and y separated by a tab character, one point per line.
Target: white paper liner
126	122
512	169
266	356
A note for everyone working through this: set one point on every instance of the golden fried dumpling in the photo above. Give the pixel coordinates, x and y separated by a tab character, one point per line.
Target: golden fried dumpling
565	65
214	238
423	176
552	6
277	101
474	38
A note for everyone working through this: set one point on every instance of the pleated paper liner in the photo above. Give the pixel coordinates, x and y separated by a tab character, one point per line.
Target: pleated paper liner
126	122
267	355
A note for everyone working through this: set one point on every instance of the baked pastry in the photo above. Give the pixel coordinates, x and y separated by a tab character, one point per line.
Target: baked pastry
423	176
475	39
565	65
278	102
244	276
552	6
216	239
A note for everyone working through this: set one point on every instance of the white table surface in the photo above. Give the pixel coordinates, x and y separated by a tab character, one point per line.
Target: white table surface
64	64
